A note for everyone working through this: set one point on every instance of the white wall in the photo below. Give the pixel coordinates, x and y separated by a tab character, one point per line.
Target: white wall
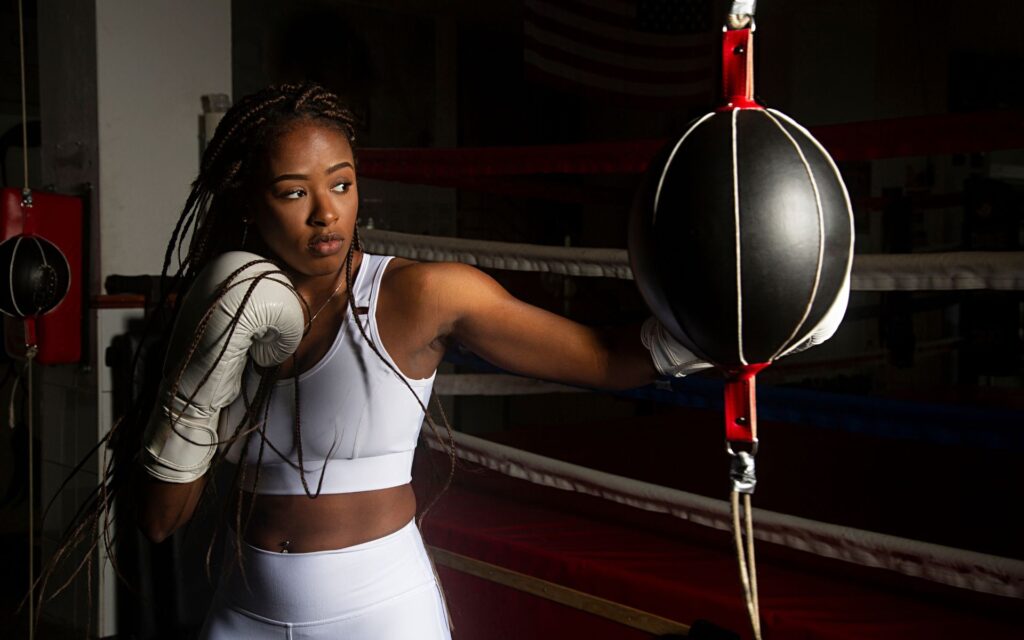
141	68
154	61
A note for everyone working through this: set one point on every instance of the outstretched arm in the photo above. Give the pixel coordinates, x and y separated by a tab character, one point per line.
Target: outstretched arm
473	309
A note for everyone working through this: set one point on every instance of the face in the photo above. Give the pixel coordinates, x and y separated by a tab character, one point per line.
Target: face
307	205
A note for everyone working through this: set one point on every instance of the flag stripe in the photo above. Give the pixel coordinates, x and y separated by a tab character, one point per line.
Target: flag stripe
604	47
533	74
609	31
613	72
643	89
537	36
607	11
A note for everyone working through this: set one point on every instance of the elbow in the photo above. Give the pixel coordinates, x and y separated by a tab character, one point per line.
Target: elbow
163	507
156	535
154	530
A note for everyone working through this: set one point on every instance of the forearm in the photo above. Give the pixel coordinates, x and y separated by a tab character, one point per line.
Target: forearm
518	337
163	507
554	348
627	363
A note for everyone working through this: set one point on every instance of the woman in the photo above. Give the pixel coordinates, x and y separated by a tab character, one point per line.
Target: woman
331	410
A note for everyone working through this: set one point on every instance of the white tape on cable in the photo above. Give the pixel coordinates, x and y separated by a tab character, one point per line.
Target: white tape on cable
945	565
742	8
874	272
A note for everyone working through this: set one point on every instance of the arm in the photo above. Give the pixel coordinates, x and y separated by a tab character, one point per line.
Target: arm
181	435
165	506
468	306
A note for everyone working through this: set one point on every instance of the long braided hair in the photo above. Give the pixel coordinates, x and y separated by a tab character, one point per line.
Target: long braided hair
212	222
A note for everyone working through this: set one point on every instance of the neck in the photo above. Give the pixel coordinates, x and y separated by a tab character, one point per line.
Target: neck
325	292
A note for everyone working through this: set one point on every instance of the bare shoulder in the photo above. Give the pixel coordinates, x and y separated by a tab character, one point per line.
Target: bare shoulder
437	294
432	279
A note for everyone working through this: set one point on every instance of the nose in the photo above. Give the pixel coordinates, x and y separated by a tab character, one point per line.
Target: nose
323	213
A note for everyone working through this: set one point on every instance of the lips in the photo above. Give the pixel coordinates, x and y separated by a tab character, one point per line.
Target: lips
327	244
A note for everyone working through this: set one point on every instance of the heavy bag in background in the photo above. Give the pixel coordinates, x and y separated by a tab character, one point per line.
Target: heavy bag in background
741	235
57	219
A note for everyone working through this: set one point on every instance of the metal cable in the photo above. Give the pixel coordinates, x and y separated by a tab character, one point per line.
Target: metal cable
24	108
31	350
30	354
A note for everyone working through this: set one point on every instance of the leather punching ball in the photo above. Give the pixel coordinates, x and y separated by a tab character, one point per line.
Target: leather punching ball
741	233
741	240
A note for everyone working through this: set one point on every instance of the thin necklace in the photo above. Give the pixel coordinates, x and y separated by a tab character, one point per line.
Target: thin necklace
326	302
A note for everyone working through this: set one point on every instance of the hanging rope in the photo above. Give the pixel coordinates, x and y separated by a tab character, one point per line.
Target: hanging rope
745	555
743	478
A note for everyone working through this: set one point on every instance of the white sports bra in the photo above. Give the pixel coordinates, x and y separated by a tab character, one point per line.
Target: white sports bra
359	421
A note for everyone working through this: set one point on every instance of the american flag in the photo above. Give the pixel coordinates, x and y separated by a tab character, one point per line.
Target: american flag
645	52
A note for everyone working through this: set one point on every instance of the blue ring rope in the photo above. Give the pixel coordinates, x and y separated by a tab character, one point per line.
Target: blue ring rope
947	425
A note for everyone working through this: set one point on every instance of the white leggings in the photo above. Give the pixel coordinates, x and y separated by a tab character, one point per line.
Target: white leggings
383	589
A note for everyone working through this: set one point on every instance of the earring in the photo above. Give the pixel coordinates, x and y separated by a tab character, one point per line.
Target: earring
245	231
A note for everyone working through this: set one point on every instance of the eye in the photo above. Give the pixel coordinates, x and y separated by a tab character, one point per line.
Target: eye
341	187
292	194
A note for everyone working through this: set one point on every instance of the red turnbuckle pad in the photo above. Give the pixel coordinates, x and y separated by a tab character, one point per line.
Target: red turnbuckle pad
738	70
741	404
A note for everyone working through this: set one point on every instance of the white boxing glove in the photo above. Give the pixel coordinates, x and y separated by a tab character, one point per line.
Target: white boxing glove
670	357
673	359
181	436
829	323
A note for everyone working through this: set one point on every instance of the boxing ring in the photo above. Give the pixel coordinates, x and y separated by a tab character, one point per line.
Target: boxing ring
550	531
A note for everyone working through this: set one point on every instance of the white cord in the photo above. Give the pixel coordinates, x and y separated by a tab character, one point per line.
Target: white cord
745	559
820	213
739	251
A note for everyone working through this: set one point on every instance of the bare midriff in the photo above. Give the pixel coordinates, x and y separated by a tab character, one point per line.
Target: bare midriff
299	524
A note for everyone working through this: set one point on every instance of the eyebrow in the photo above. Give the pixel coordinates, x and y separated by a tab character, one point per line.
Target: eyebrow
301	176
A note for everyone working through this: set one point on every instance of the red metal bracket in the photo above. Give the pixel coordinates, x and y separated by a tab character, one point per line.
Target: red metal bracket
741	404
738	70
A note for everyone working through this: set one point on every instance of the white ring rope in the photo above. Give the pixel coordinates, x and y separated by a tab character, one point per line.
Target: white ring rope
962	270
572	261
945	565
